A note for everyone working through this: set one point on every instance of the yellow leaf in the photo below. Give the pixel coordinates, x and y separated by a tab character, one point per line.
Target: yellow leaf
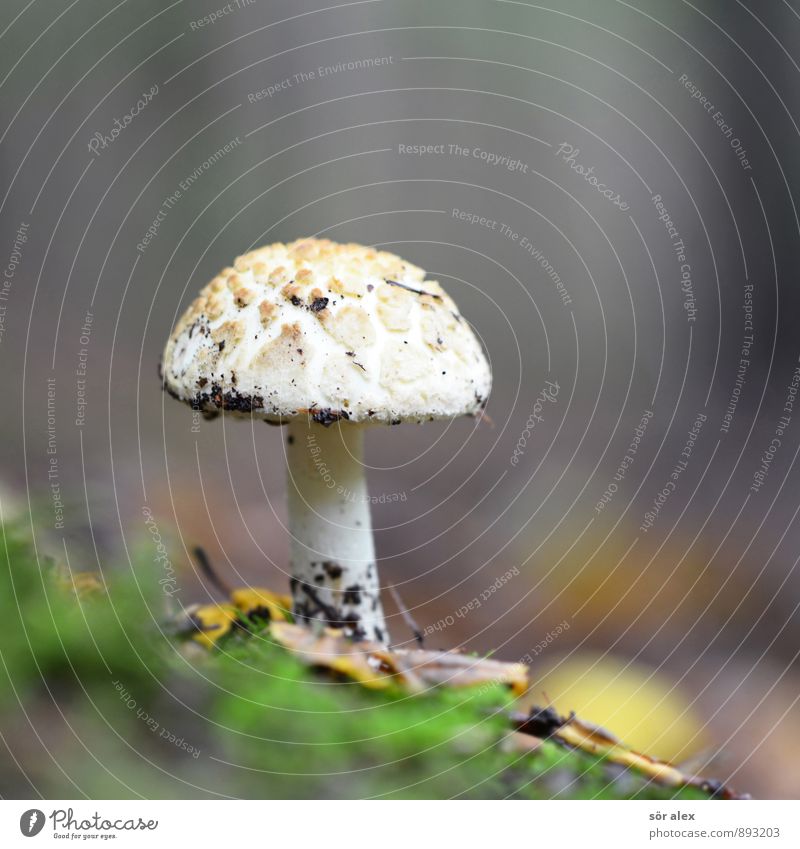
208	622
262	604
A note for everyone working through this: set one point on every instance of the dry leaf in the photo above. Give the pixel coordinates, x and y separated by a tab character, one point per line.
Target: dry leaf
365	662
414	670
454	669
594	740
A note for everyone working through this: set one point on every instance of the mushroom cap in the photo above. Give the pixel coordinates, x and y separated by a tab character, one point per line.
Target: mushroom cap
327	330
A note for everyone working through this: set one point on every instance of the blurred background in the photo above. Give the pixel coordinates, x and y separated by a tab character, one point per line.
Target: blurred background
609	192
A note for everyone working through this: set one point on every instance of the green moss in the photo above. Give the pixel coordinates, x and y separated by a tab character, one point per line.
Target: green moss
97	698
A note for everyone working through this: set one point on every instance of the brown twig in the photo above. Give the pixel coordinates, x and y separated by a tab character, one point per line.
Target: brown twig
407	617
484	418
202	560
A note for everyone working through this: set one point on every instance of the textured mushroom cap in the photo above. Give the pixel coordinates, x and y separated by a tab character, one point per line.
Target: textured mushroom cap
327	330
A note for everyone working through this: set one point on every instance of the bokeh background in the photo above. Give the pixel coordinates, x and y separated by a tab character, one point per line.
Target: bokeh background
677	627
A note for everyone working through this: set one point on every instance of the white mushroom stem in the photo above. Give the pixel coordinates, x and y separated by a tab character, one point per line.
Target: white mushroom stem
334	573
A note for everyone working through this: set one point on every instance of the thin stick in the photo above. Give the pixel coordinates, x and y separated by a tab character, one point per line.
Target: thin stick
407	617
201	558
484	418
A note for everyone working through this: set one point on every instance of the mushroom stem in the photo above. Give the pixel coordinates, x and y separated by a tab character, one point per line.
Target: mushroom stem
334	573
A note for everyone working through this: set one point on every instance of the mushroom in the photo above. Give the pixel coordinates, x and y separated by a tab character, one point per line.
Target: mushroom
327	338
